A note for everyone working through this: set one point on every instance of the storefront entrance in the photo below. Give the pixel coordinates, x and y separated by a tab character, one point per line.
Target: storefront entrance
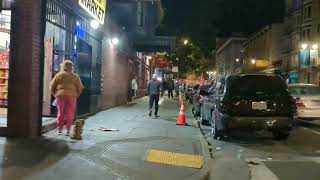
83	66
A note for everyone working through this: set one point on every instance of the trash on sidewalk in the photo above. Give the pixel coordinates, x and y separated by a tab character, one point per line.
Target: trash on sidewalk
175	159
108	129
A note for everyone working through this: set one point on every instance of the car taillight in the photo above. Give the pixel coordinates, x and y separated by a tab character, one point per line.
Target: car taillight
299	103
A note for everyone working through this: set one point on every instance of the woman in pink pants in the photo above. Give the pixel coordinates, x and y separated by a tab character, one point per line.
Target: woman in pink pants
66	87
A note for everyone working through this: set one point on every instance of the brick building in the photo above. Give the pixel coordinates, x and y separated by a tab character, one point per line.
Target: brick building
44	33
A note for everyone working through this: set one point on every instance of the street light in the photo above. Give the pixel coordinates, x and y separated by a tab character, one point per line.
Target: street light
315	47
237	60
304	46
253	61
185	42
94	24
115	41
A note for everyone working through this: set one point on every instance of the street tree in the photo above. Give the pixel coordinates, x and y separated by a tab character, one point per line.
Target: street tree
189	58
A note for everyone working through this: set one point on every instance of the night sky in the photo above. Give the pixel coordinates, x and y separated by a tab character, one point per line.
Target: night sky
202	20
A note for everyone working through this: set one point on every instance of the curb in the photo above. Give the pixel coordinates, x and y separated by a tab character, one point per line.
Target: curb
204	173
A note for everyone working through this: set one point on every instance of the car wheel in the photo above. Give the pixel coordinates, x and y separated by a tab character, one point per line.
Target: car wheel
214	130
278	135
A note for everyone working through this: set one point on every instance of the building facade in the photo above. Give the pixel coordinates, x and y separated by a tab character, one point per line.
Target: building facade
228	56
301	40
262	50
36	36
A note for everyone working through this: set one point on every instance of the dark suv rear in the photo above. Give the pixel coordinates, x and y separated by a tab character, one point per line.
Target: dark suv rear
253	102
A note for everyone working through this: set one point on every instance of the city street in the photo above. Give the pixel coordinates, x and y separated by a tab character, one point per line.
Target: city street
119	153
258	157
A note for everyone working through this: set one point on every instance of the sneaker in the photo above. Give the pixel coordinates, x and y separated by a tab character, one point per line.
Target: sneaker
59	133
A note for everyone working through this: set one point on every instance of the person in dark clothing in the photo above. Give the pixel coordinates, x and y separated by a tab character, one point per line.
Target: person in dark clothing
170	86
154	94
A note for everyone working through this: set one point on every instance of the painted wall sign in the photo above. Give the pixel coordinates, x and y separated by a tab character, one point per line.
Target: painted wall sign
96	8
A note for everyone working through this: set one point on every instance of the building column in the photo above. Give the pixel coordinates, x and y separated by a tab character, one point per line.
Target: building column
26	61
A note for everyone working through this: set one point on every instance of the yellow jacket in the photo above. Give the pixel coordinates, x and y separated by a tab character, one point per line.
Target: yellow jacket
66	84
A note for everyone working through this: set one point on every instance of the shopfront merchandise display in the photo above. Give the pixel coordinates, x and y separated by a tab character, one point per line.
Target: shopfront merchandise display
4	77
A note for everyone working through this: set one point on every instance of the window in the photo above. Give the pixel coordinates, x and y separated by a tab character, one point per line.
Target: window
309	12
257	86
303	34
139	13
221	89
308	33
304	90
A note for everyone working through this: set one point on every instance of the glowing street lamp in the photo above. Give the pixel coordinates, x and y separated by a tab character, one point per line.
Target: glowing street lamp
185	42
315	46
94	24
115	41
237	60
304	46
253	61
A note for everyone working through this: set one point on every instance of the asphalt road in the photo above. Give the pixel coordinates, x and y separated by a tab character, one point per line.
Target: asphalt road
258	157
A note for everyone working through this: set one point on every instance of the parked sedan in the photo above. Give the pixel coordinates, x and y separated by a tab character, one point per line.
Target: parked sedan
252	102
307	98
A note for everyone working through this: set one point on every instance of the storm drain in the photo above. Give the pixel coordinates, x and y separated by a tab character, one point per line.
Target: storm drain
175	159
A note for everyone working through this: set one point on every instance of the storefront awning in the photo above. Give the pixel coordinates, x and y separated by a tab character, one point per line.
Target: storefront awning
154	43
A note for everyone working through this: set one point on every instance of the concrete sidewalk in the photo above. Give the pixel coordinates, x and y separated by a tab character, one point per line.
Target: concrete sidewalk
109	155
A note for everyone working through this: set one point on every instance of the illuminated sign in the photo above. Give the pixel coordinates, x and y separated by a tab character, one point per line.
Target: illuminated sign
96	8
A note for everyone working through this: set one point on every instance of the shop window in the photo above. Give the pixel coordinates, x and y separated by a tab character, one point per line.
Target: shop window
5	21
6	4
57	14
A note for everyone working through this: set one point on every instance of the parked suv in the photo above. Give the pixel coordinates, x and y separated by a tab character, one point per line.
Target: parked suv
252	102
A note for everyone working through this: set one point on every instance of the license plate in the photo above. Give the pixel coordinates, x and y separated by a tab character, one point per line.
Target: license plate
259	106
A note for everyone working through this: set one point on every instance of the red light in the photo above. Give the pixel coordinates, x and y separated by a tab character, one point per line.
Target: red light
299	103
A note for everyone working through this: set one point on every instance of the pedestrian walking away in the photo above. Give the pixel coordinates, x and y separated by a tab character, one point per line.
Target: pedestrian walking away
66	87
170	86
154	94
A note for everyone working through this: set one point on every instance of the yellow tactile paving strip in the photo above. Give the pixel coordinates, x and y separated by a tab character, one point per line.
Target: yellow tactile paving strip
176	159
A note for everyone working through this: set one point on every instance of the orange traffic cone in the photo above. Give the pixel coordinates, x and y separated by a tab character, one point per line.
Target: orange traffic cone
182	117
